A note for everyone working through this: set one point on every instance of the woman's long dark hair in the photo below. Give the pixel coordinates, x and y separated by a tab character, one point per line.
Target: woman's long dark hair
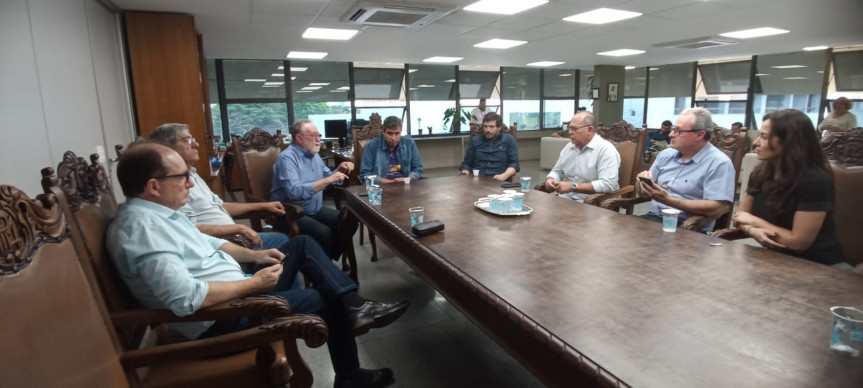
801	150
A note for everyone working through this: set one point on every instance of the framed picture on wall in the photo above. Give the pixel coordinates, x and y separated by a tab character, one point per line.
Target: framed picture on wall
594	93
612	91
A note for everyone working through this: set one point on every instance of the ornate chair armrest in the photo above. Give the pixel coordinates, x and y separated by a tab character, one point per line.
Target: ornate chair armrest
309	328
598	198
696	223
626	203
263	306
238	239
728	234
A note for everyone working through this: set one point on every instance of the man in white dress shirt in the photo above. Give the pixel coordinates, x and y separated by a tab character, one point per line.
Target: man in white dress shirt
587	166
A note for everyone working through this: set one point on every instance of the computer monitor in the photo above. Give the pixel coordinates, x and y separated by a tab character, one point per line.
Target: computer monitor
336	129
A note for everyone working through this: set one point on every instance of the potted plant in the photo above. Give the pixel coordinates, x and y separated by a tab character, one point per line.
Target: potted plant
450	114
655	148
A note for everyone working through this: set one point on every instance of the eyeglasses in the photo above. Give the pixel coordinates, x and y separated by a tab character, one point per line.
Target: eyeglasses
189	139
678	130
571	128
313	135
186	176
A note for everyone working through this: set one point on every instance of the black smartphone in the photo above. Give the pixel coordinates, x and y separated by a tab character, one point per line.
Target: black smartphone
364	194
510	184
646	180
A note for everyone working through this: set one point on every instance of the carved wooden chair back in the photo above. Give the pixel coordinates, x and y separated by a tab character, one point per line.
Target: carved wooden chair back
845	151
91	209
733	145
54	324
256	153
509	129
373	129
629	142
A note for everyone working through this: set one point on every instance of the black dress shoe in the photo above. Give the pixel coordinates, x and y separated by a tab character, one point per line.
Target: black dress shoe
373	315
367	378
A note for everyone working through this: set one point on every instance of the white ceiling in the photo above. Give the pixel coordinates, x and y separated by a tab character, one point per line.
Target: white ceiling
268	29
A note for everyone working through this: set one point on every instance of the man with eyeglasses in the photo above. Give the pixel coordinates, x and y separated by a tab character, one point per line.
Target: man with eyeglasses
168	264
494	154
391	157
692	175
589	165
204	208
300	176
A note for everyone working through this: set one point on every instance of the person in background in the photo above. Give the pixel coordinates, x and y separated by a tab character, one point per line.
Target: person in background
663	134
391	157
738	128
494	154
589	165
477	114
691	175
300	176
840	120
788	205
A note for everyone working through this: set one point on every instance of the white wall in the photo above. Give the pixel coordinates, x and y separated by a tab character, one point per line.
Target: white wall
62	86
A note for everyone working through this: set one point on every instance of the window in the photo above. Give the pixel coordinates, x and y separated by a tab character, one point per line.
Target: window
790	80
381	91
520	92
558	103
432	91
634	88
848	71
254	96
722	89
585	84
319	91
669	92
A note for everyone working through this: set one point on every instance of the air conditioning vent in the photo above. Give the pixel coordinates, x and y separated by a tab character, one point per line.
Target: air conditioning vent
374	13
697	43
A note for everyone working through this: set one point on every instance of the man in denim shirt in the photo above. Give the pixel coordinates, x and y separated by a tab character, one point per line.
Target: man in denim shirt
495	154
391	157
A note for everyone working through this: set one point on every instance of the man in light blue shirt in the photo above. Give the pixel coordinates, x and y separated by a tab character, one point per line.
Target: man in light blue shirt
300	176
167	263
692	176
391	157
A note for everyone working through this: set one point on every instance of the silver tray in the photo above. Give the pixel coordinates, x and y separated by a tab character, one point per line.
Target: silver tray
483	205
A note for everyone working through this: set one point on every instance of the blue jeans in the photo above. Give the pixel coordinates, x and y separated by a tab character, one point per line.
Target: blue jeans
304	255
322	227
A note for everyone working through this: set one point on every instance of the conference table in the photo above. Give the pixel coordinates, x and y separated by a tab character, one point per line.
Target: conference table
583	296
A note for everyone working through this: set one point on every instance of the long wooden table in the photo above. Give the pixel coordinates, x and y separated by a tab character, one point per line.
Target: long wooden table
582	296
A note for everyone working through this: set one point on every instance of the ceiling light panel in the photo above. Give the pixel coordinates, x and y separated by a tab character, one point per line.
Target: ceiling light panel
504	7
788	67
754	33
329	33
254	80
815	48
306	55
297	68
442	59
621	52
602	16
500	43
544	64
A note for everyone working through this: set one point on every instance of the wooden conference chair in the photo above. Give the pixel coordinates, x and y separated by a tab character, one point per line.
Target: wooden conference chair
362	137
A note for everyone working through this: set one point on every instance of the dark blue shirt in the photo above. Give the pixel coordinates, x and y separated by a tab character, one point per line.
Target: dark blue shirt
658	136
491	157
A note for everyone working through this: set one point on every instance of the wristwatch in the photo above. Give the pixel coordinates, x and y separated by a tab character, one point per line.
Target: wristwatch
575	187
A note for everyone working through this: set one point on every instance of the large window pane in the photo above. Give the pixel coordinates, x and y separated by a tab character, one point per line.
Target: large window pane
432	91
378	84
557	112
669	92
634	90
267	116
789	81
559	83
320	91
848	70
520	92
722	89
477	84
633	110
585	85
253	79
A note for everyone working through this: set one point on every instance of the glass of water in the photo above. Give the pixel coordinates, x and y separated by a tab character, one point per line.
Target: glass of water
416	215
375	195
525	184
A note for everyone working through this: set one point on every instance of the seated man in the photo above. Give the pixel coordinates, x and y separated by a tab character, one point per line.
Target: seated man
204	208
391	157
495	154
168	264
300	176
655	137
590	165
692	175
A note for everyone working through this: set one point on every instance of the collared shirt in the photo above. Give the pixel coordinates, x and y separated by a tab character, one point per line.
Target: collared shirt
491	157
598	162
476	115
166	261
376	162
204	206
394	168
294	176
708	175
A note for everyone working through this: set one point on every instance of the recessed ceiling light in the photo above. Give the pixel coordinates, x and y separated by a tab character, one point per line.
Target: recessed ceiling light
337	91
788	67
304	91
820	71
621	52
277	75
815	48
279	83
299	68
281	68
329	33
761	74
293	78
754	33
450	81
653	69
565	75
269	86
629	67
413	70
793	77
306	55
602	16
545	63
442	59
425	86
345	88
311	88
412	88
254	80
504	7
319	84
500	43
